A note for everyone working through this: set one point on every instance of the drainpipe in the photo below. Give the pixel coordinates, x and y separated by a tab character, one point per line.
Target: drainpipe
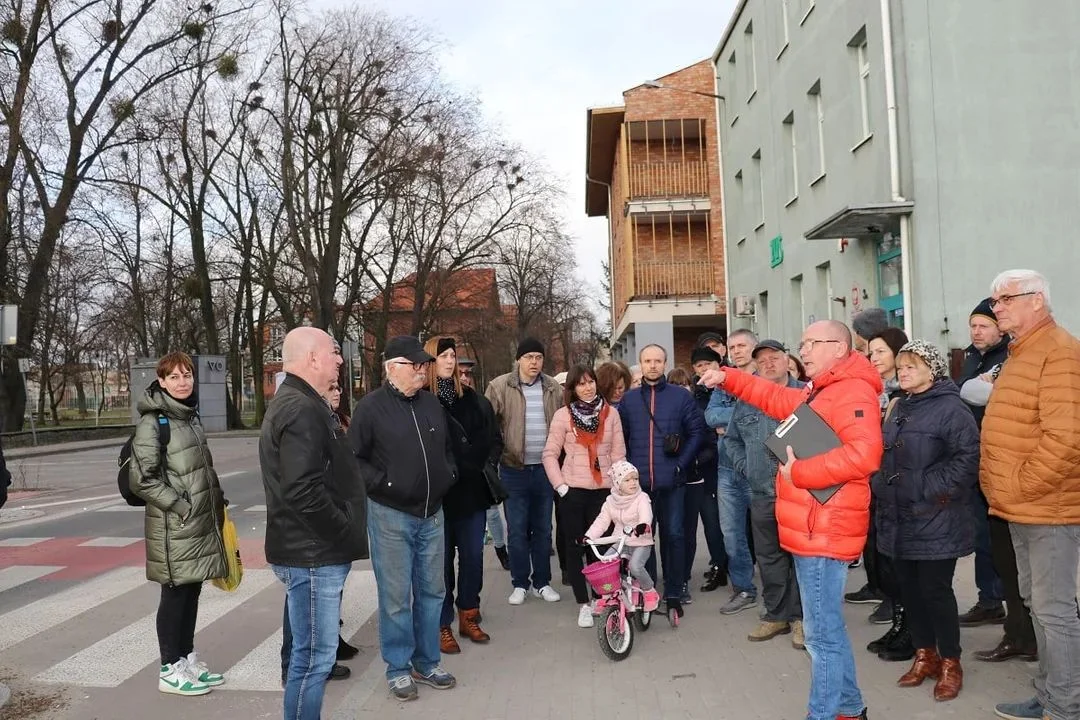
723	203
894	162
611	259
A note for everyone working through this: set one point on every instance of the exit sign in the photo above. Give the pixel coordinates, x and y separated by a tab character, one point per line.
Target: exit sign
776	251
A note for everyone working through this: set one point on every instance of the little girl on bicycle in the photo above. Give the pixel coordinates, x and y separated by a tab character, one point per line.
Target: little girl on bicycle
631	512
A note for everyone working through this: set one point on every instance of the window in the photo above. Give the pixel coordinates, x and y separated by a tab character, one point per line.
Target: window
761	316
733	76
891	278
862	65
807	7
824	281
742	201
793	157
798	297
817	110
785	27
751	65
760	189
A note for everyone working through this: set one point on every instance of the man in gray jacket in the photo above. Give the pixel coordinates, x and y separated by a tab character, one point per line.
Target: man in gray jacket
745	446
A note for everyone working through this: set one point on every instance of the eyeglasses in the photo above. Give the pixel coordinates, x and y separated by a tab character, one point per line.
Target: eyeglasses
1007	299
808	345
533	357
415	366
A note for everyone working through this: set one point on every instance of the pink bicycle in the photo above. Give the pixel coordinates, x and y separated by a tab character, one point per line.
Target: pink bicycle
621	607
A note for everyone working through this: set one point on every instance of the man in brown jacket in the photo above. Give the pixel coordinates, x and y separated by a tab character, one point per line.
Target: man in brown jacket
1030	473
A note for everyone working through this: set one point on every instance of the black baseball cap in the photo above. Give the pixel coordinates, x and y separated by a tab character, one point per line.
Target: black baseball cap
768	345
408	347
710	336
466	362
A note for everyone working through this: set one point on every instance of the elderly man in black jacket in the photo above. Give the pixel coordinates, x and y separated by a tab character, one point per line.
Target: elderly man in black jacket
402	439
315	525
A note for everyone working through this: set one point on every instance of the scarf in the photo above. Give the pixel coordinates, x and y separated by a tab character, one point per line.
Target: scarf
446	391
589	419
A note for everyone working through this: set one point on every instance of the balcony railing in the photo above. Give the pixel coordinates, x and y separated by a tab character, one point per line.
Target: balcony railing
669	179
673	278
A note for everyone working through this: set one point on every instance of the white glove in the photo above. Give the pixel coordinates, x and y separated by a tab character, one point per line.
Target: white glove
562	490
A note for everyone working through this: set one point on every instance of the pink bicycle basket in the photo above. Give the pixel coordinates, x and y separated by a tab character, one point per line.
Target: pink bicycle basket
603	576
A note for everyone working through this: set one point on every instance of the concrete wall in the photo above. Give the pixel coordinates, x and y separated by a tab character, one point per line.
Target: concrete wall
209	384
992	101
989	151
817	56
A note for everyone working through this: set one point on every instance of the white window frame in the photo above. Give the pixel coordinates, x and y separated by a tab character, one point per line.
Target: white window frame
819	114
863	59
752	69
785	21
793	144
759	169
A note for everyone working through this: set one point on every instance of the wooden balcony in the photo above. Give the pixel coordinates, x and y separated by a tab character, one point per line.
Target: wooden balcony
673	278
661	180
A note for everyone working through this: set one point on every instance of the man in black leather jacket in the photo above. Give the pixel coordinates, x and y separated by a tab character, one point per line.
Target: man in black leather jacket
402	439
315	514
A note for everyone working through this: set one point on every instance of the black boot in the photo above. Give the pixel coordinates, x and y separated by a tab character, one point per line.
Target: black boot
882	642
715	578
345	651
900	648
504	557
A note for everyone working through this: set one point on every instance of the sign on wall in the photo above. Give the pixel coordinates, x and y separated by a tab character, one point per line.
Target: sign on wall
776	251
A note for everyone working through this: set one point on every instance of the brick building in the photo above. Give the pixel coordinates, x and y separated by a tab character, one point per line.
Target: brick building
652	168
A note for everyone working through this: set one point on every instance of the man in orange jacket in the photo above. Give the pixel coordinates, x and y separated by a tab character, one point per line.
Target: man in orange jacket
824	538
1030	472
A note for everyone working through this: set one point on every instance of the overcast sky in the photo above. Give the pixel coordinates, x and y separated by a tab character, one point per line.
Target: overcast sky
537	66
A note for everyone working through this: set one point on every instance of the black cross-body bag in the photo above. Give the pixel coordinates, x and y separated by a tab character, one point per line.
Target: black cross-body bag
672	441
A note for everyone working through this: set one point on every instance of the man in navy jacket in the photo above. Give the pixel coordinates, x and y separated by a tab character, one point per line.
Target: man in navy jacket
656	417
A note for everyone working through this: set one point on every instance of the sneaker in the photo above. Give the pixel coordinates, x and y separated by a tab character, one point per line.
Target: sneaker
1027	710
860	716
739	601
855	564
518	596
179	679
686	599
584	616
798	637
547	594
202	673
882	614
981	615
864	596
402	688
652	600
767	630
436	678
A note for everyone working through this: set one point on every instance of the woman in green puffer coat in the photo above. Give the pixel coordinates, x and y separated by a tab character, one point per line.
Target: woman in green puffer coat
184	513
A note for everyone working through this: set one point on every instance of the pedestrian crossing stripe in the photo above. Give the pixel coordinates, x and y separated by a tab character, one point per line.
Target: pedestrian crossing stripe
135	646
256	670
41	615
122	655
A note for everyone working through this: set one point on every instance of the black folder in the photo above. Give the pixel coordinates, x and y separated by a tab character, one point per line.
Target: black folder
808	435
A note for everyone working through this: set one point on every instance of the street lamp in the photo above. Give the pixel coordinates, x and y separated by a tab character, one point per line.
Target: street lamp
656	84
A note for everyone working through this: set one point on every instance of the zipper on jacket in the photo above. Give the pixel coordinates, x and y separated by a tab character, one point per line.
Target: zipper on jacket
423	451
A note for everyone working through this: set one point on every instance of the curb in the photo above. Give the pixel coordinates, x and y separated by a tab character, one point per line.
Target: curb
116	442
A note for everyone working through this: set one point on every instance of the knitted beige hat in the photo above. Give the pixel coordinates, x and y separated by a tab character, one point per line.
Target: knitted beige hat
622	471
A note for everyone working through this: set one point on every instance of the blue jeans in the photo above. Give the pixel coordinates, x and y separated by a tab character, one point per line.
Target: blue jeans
495	527
991	589
407	556
669	508
528	524
465	535
733	494
313	602
833	687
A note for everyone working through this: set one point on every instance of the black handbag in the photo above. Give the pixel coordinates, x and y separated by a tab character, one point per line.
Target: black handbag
672	441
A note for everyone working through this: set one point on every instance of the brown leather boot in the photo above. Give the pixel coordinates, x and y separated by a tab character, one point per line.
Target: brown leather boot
950	680
927	665
447	644
468	626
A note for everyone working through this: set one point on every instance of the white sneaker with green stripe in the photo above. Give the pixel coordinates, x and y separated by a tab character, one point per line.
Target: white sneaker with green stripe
199	670
180	679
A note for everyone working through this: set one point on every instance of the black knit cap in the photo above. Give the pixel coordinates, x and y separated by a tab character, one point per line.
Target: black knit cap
529	345
705	354
445	343
985	310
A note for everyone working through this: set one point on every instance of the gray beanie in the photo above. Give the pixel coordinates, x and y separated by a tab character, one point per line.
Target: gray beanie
939	368
869	322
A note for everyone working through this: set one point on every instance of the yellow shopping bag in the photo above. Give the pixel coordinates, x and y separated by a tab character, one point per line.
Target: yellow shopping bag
231	581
